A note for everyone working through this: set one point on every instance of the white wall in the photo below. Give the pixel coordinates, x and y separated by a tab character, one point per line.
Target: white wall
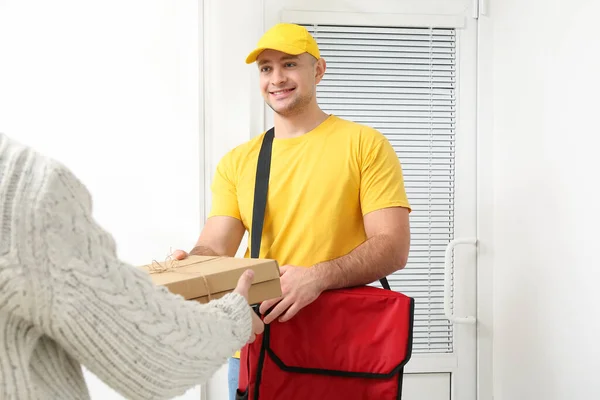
112	89
232	98
545	217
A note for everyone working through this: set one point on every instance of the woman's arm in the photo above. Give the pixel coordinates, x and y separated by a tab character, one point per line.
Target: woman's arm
140	339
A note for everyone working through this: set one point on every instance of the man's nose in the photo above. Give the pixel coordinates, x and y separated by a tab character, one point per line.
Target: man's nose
277	77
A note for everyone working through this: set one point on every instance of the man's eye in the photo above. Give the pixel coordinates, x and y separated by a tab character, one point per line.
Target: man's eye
264	69
290	64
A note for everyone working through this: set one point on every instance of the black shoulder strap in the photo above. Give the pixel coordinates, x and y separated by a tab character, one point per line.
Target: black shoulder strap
263	170
384	282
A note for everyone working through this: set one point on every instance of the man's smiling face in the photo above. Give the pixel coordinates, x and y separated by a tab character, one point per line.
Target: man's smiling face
287	82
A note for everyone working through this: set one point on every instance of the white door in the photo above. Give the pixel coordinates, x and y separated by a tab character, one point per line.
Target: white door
408	68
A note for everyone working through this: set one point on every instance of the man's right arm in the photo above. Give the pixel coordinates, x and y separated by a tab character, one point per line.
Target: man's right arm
221	236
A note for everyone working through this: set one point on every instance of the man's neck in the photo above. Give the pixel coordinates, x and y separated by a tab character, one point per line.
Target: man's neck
287	127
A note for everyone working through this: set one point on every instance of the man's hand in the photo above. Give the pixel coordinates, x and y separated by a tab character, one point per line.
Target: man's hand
243	287
179	254
299	287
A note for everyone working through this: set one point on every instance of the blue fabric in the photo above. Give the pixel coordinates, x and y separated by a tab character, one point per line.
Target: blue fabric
233	376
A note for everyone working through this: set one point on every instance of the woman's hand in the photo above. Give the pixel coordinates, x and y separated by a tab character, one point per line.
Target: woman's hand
243	287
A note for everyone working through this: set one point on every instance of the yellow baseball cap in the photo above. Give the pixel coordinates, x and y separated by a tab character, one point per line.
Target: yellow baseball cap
287	38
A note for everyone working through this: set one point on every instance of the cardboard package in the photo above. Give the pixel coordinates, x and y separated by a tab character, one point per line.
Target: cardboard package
205	278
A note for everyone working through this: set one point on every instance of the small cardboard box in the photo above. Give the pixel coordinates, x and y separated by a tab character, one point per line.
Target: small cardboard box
204	278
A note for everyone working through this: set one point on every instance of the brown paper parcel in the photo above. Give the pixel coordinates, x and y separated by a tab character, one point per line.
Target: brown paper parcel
204	278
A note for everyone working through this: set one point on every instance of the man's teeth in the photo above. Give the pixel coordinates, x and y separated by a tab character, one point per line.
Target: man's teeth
282	91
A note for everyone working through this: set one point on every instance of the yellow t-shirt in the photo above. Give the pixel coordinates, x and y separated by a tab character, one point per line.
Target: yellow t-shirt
321	184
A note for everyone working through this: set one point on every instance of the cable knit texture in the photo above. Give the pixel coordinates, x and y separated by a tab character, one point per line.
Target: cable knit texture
66	300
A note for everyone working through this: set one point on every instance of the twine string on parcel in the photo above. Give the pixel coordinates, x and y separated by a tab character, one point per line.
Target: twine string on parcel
171	264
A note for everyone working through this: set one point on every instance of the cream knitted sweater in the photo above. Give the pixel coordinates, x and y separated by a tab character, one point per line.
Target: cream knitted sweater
66	300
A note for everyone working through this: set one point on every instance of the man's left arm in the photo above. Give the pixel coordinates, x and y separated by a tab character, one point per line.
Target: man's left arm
384	252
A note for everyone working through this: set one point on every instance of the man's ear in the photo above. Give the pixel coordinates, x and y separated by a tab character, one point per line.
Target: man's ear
320	67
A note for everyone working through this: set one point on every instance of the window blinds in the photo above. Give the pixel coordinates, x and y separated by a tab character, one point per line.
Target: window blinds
401	81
